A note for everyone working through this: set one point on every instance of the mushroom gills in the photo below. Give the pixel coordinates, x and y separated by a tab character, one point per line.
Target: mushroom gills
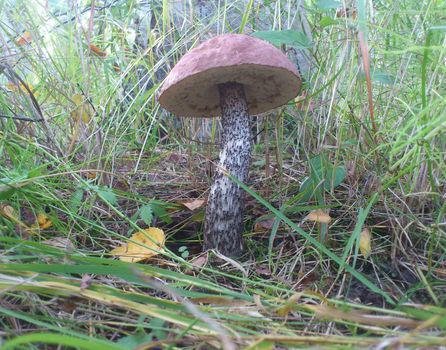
225	208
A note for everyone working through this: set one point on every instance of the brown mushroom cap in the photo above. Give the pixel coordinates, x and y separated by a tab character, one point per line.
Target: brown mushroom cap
269	78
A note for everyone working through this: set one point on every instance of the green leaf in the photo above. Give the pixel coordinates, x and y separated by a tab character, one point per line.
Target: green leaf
135	340
306	189
146	214
327	21
318	165
38	171
288	37
335	178
184	252
383	77
107	195
328	4
160	212
321	169
76	199
380	77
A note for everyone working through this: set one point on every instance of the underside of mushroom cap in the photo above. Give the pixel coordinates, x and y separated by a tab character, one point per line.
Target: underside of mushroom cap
269	78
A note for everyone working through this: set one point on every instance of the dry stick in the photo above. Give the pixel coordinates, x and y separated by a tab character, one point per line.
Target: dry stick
366	63
20	117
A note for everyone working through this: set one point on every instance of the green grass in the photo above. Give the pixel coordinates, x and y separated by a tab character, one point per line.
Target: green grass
128	164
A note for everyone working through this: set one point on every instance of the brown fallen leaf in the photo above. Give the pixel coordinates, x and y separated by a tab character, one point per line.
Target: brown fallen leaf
192	205
26	38
199	261
142	245
318	215
68	306
8	212
97	51
347	13
263	270
116	68
264	225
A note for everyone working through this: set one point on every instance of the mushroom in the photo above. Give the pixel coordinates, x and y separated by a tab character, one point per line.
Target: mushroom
232	76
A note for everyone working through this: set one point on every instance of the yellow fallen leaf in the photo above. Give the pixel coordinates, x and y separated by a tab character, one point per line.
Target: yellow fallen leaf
43	221
365	242
11	86
318	215
83	109
91	175
26	38
86	114
14	87
77	99
142	245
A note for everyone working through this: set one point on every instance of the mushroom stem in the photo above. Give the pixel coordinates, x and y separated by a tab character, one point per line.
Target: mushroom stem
224	212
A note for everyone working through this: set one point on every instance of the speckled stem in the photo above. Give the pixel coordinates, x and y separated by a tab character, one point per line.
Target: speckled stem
226	202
